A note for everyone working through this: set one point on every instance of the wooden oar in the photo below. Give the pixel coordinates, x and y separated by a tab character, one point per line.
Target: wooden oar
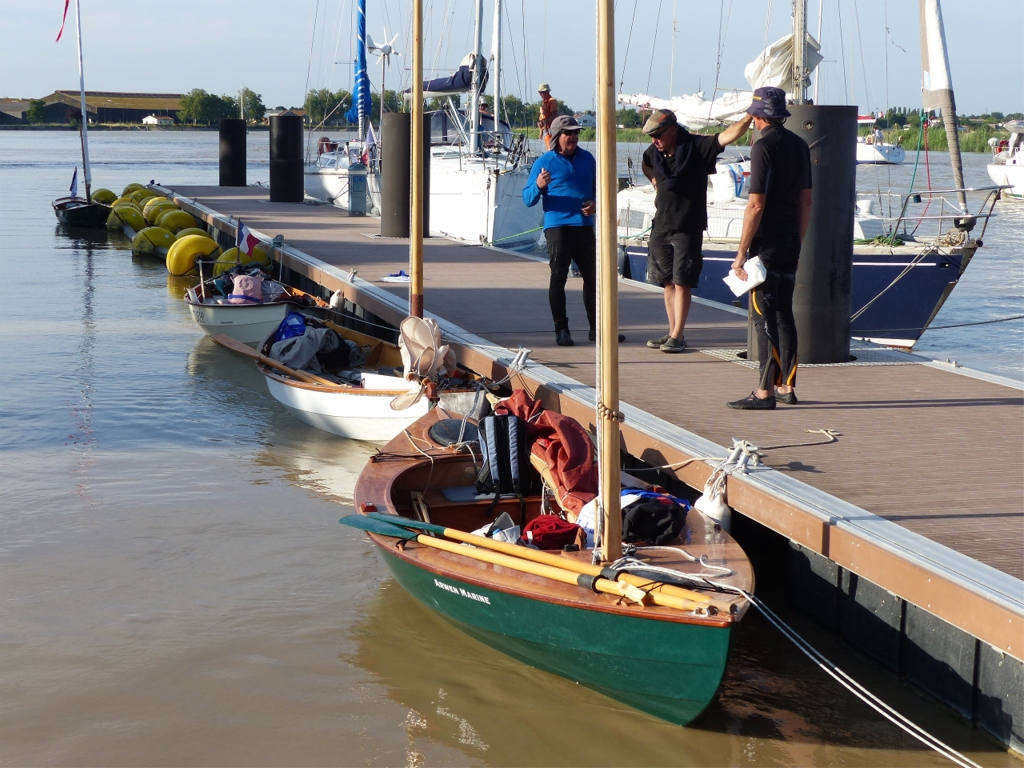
507	561
653	588
245	349
595	583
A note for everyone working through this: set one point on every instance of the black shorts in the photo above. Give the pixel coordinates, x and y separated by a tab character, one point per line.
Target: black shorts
674	257
778	252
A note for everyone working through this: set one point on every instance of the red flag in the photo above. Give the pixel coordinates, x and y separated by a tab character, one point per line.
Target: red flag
63	21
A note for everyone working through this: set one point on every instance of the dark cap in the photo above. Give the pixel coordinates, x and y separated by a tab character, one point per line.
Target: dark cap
768	103
660	120
563	124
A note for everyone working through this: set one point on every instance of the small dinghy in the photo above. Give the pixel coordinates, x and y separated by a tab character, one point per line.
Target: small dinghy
651	630
246	305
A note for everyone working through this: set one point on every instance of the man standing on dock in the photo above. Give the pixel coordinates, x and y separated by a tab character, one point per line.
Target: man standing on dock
678	164
774	224
548	112
566	180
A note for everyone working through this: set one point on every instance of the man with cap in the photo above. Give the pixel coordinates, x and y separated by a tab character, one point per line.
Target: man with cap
678	164
565	179
548	112
774	224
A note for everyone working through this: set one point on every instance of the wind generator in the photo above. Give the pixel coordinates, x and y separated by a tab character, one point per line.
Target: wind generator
384	54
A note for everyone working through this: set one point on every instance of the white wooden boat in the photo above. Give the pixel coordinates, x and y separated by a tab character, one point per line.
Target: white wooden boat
358	407
248	323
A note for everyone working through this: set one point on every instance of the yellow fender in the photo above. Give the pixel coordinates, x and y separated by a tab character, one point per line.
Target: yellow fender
139	195
152	213
261	256
152	241
131	188
193	231
176	220
125	217
155	200
183	254
233	257
103	196
124	201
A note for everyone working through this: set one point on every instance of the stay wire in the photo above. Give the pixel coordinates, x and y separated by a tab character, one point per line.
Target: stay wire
654	48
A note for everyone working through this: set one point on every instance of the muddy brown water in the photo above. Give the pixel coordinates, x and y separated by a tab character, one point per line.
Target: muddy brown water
175	588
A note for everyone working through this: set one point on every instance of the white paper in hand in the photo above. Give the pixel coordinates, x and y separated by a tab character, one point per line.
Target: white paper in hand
755	276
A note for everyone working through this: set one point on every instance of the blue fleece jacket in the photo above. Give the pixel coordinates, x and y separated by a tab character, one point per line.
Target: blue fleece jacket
573	182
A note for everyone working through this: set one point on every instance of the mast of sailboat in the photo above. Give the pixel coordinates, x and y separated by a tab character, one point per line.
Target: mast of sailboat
817	76
416	225
937	86
478	77
85	113
360	66
799	50
496	68
608	416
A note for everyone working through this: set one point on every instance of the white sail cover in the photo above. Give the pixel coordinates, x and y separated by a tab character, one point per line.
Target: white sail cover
936	82
774	67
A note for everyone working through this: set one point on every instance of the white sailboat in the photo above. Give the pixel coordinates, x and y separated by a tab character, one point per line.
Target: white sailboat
1007	166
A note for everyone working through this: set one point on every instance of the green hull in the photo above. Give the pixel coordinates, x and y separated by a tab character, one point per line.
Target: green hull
668	669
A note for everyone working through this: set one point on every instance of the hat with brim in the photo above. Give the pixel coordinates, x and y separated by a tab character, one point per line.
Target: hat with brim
543	88
563	124
660	120
768	103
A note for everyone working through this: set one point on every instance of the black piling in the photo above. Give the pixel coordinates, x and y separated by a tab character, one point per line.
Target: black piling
232	152
286	182
395	172
821	301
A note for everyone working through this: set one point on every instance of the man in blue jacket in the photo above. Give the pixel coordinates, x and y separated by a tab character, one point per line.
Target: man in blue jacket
565	179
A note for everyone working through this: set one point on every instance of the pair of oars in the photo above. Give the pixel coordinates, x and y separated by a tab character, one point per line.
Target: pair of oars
537	562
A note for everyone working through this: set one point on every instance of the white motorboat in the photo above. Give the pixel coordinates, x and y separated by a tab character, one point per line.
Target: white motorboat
249	323
1007	166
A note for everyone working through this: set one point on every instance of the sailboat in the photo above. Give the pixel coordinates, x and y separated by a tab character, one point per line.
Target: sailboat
639	629
74	210
478	168
905	264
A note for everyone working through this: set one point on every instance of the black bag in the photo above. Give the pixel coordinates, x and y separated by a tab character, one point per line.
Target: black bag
506	468
655	520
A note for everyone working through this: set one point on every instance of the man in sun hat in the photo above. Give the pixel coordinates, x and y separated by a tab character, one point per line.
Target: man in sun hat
678	164
565	179
548	112
774	224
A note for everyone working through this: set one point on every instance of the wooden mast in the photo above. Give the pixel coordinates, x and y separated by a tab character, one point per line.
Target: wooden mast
416	225
608	415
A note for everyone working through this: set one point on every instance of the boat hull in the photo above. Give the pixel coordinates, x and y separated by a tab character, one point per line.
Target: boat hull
244	323
880	154
898	318
355	414
76	212
1012	175
671	670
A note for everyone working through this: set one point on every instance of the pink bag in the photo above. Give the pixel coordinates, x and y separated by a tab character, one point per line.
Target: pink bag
247	289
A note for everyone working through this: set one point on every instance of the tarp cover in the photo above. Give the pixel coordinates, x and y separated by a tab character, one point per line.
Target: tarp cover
299	352
563	445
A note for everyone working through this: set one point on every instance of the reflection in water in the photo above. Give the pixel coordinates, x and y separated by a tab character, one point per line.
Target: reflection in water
774	706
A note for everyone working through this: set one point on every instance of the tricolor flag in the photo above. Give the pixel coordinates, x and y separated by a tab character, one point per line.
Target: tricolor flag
74	183
63	21
246	239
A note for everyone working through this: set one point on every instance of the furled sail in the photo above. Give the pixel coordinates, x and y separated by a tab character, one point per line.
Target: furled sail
937	84
362	104
460	81
773	67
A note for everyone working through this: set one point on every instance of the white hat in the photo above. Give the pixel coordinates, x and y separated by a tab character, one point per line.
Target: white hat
543	87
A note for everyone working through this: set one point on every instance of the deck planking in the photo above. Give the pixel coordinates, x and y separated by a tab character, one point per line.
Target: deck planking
937	453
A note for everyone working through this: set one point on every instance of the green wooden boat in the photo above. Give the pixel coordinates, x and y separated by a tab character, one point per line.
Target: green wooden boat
662	660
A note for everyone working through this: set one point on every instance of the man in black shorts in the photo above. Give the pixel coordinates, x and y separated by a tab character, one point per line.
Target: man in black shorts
774	224
678	164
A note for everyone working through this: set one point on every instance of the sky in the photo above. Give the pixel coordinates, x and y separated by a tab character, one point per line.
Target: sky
280	49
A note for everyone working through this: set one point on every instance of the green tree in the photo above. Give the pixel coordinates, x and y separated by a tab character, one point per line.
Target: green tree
35	113
317	104
628	118
253	103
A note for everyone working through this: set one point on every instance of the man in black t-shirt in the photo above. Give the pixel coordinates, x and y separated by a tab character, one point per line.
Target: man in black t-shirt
678	164
774	224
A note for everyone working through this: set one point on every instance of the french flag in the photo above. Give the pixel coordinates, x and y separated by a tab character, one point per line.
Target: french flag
246	239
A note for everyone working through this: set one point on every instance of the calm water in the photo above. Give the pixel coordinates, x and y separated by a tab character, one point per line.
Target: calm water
175	588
